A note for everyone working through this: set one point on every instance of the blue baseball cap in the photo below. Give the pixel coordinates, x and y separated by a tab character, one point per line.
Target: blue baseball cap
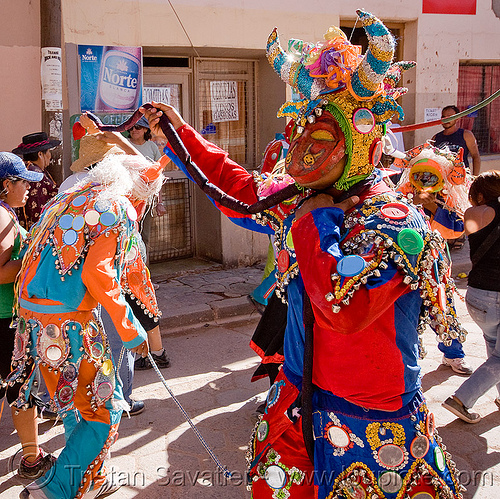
13	166
143	122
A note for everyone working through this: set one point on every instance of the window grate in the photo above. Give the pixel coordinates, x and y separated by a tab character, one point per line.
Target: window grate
236	136
475	83
171	233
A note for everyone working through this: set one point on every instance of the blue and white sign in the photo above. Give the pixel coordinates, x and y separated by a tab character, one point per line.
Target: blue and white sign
110	78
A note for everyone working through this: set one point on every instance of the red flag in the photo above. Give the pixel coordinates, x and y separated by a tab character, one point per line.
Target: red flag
449	7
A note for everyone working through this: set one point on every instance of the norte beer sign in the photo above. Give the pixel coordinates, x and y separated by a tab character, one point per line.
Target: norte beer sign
110	78
119	81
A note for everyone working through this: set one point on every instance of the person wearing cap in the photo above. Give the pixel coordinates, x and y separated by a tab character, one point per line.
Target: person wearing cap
35	151
14	186
140	136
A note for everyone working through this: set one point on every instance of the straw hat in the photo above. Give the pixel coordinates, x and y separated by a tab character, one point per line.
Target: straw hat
93	150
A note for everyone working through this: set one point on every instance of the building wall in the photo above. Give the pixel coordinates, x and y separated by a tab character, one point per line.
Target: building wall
20	92
437	42
233	28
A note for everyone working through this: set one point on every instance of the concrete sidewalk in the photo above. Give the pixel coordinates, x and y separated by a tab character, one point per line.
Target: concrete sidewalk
193	293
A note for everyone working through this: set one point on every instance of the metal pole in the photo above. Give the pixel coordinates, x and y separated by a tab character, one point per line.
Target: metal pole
52	120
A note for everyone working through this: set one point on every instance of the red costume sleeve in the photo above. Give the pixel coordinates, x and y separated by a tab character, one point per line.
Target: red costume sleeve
219	168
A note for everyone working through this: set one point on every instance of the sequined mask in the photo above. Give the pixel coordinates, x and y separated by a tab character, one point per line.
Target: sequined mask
317	151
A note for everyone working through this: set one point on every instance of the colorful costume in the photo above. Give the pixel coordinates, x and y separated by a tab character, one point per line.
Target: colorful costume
440	172
374	277
82	252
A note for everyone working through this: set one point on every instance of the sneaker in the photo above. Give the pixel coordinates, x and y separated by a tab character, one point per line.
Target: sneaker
143	363
108	487
36	469
136	407
460	366
162	361
461	411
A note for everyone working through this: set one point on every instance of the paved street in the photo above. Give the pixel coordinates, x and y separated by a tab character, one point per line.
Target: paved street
158	456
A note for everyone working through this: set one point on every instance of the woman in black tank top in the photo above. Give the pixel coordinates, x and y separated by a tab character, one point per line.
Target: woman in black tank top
483	291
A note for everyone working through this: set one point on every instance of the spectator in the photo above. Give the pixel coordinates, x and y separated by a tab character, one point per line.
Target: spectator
14	185
140	137
482	225
35	150
455	138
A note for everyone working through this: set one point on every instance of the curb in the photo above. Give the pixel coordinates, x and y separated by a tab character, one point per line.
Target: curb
217	313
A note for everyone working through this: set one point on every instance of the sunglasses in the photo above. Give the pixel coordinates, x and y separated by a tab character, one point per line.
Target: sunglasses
138	127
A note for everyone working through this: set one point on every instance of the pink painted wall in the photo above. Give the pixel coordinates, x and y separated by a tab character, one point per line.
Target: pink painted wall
20	92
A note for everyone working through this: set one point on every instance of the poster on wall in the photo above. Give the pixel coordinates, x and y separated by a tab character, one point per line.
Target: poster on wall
224	101
110	78
467	7
432	113
51	77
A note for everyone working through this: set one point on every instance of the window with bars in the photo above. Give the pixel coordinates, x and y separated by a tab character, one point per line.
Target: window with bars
223	85
475	83
171	233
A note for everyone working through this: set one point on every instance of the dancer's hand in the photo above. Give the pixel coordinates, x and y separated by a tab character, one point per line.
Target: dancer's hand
142	349
153	116
325	201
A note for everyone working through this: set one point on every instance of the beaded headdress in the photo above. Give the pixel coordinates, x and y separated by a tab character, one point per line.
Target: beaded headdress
429	169
359	91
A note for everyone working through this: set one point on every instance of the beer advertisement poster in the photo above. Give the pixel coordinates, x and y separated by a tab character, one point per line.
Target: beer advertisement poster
110	78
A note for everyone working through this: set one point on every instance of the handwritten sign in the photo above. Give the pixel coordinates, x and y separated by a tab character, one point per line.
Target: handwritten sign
432	113
224	100
157	94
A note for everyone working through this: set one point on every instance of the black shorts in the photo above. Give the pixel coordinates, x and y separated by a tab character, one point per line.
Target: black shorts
7	337
147	322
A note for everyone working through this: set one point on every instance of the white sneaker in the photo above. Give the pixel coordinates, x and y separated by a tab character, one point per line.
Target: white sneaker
108	487
460	366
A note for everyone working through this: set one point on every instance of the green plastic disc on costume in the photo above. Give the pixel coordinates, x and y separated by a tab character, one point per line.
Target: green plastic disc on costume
289	240
410	241
262	431
439	459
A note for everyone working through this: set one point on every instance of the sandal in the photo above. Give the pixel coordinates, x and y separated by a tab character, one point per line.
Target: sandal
461	411
456	244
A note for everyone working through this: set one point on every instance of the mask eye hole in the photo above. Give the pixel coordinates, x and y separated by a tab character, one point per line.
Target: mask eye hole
322	135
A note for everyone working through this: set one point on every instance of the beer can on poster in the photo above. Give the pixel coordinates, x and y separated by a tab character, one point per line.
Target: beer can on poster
120	79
